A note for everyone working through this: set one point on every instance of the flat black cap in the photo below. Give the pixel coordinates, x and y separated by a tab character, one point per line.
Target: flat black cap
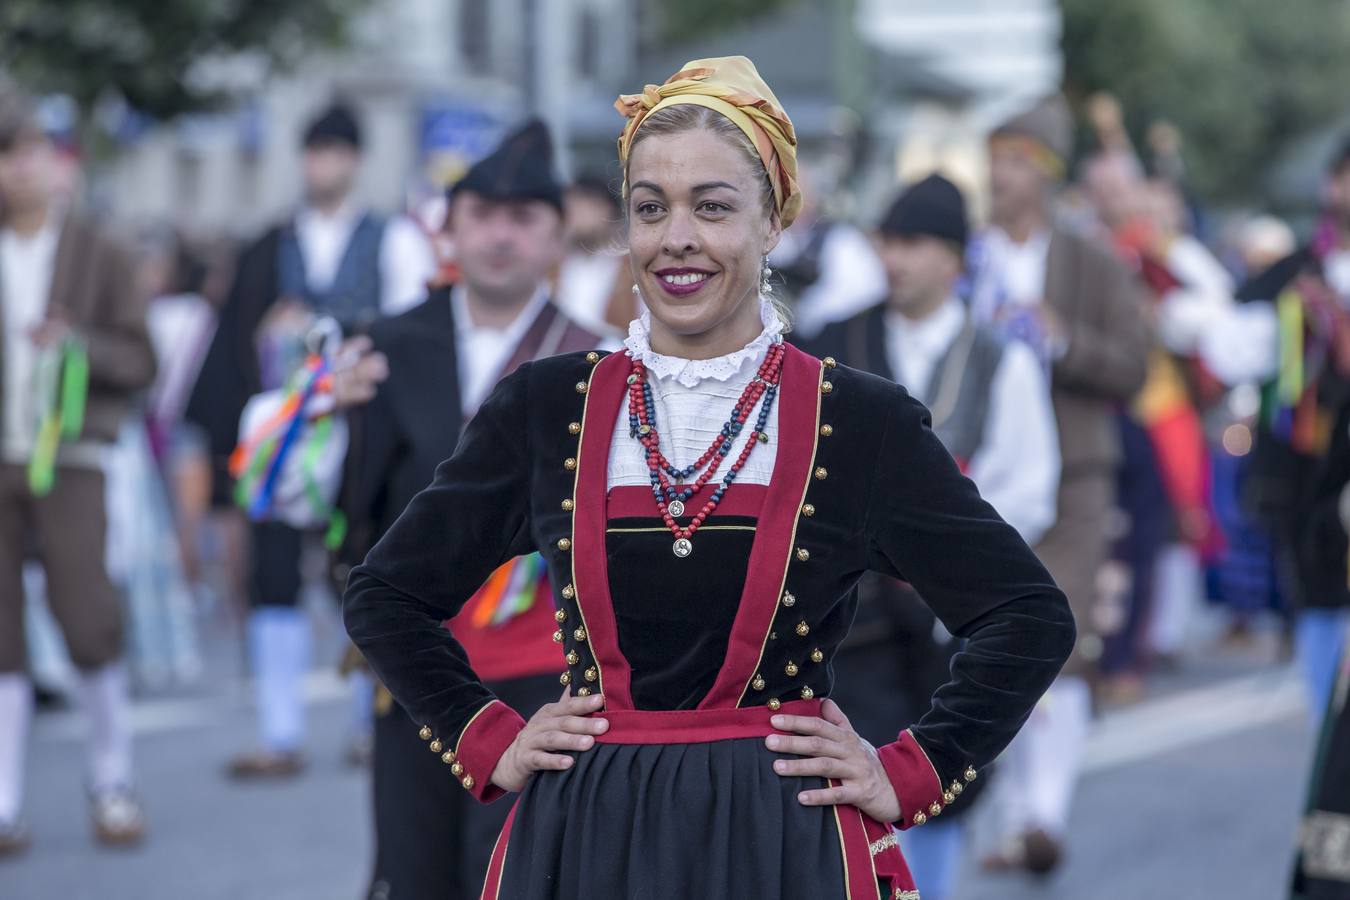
335	125
521	168
932	207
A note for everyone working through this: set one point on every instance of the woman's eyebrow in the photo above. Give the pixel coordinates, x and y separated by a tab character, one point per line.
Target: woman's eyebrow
713	185
648	185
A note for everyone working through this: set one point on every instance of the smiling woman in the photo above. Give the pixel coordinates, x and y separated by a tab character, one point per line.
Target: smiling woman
706	502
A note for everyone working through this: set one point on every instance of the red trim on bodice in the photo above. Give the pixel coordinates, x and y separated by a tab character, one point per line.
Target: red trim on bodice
798	400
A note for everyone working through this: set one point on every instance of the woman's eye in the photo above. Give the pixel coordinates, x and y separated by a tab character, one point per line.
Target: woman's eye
648	209
712	206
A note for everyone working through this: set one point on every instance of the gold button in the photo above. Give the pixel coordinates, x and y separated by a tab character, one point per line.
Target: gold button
570	464
817	656
436	746
957	787
644	429
560	616
826	387
830	362
803	554
565	678
788	599
790	668
935	809
592	674
569	592
581	387
583	691
457	769
758	683
448	757
773	635
808	510
579	634
920	818
573	657
948	797
425	733
971	774
574	428
568	505
774	703
807	693
803	629
763	437
821	472
564	544
558	636
592	357
826	430
467	782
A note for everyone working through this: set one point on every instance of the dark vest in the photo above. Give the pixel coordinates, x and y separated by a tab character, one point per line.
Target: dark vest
354	296
957	393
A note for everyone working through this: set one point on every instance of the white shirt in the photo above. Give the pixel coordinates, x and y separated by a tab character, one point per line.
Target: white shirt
851	276
406	260
586	281
693	400
1017	465
27	265
1009	272
482	350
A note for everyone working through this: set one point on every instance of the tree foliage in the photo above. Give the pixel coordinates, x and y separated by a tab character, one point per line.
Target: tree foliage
150	51
1240	78
682	20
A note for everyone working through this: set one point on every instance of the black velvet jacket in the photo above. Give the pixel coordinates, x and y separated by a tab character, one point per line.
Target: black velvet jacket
860	482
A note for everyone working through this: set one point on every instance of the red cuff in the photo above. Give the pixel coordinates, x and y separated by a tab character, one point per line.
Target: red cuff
481	744
916	781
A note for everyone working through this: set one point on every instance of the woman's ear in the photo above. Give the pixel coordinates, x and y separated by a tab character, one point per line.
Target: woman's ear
775	232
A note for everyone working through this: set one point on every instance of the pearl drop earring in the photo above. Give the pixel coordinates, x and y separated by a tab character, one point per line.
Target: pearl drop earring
764	286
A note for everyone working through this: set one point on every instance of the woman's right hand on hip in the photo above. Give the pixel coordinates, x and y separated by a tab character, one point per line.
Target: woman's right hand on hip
565	725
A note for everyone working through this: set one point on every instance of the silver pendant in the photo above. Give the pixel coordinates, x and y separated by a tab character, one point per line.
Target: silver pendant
676	508
683	547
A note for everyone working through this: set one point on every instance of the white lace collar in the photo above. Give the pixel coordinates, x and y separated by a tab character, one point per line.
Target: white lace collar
689	372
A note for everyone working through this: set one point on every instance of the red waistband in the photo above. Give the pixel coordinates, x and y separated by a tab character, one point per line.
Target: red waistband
697	726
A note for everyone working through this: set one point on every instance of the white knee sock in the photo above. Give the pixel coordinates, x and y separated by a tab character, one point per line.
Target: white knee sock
279	637
16	709
106	697
1055	752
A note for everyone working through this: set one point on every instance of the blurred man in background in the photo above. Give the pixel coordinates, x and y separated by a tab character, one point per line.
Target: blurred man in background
75	350
595	287
429	371
1077	308
990	403
332	258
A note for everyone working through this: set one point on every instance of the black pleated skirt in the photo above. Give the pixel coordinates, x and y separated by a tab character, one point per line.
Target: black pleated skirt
710	821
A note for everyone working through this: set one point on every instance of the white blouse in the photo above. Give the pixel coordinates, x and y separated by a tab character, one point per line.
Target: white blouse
693	401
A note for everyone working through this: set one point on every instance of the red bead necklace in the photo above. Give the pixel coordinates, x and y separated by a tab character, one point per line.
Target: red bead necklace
671	495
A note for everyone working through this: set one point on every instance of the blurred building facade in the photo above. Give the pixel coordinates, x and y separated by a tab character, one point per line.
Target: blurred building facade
437	81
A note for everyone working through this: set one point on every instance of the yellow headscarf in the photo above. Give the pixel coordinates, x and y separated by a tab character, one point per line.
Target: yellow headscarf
731	86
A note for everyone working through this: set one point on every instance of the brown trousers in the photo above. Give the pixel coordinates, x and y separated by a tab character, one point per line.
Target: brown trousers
1074	551
67	530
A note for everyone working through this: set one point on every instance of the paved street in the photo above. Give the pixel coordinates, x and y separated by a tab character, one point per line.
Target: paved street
1190	796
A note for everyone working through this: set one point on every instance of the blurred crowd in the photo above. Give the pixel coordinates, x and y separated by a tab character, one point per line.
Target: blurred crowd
1158	400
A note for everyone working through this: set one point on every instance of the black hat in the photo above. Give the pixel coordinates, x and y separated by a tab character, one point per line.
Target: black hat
335	125
521	168
1341	158
932	207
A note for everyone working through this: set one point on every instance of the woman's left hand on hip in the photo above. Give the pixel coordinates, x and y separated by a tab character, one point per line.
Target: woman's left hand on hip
833	750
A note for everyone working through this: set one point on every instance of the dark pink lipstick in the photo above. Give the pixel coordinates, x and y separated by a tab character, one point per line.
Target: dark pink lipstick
683	281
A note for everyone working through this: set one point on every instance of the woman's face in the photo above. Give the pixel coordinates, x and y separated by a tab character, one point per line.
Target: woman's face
698	231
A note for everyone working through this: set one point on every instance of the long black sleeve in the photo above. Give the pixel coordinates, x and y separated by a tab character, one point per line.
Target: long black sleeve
928	525
472	518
